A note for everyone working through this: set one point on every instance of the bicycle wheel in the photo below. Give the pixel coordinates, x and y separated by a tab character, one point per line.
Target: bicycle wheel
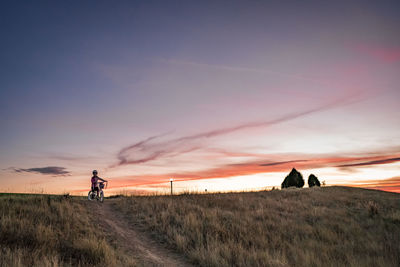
90	196
101	196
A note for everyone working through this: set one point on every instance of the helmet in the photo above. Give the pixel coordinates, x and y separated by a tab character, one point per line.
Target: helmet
94	172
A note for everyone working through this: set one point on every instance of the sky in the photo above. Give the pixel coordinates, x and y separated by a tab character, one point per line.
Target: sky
217	95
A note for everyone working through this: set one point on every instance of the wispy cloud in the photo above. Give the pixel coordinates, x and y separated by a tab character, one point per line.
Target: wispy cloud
148	150
368	163
51	170
69	158
240	69
282	162
381	53
390	184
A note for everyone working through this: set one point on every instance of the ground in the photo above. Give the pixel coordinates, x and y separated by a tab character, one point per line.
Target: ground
331	226
131	239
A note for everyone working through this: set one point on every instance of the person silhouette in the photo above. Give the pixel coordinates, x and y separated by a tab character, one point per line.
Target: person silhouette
95	182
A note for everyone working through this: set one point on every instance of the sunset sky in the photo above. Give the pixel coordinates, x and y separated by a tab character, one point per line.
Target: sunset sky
218	95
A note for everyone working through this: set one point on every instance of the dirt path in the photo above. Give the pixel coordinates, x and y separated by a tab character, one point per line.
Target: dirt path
135	243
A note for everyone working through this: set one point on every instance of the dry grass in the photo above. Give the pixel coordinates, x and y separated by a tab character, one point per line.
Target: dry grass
372	208
329	226
51	231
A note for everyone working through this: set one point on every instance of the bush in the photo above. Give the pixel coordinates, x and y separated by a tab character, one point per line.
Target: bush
372	208
294	178
313	181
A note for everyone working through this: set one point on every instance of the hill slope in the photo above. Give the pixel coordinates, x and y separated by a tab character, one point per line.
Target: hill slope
44	230
331	226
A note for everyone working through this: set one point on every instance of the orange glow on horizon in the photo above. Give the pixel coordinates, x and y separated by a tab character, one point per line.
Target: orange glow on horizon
338	170
254	168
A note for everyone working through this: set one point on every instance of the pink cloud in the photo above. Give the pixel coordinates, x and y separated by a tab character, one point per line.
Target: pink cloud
383	54
148	150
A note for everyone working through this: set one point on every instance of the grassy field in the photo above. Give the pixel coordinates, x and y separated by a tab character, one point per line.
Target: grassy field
331	226
40	230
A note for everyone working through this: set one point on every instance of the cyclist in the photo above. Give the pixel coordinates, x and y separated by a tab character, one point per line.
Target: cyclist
95	182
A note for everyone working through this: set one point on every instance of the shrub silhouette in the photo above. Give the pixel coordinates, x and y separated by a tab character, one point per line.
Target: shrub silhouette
313	181
372	208
294	178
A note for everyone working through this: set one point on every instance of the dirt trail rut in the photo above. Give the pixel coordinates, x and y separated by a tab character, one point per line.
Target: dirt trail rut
135	243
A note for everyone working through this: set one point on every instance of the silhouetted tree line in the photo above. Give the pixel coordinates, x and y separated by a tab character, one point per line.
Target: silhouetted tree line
294	178
313	181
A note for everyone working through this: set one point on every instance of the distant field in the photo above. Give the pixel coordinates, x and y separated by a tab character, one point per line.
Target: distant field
331	226
40	230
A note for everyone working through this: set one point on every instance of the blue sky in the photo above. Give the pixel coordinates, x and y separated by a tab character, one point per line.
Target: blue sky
81	81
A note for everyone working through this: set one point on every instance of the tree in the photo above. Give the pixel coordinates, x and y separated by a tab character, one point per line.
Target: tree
313	181
294	178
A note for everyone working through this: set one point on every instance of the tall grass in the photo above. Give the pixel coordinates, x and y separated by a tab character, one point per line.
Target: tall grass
329	226
50	231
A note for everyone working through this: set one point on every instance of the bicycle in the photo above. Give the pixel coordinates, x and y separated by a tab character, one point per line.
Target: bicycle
92	195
